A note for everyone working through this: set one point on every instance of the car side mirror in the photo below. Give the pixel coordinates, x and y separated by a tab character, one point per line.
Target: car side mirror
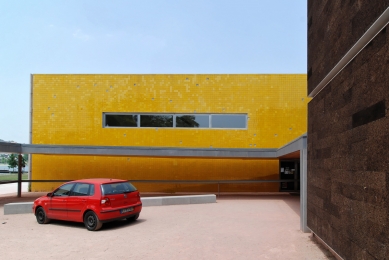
50	194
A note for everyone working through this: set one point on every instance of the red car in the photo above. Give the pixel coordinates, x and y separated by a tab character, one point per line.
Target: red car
92	201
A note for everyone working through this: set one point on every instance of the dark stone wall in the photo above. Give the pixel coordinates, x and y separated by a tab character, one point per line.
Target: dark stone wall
333	28
348	133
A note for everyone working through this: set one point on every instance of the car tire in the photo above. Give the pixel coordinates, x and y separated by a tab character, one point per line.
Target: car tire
91	221
133	218
41	216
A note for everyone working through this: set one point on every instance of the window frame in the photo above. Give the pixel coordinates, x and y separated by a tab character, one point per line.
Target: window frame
246	118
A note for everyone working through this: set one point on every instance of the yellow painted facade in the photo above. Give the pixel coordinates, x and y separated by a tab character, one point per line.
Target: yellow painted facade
68	110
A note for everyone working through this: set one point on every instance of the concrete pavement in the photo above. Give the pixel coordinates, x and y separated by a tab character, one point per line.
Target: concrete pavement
236	227
12	188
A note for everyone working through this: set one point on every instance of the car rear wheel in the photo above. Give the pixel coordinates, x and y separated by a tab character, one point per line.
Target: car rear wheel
133	218
41	216
91	221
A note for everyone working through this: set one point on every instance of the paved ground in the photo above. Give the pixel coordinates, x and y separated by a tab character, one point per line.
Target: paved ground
236	227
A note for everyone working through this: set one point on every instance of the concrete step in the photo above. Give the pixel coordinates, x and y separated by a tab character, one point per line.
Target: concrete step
26	207
178	200
18	208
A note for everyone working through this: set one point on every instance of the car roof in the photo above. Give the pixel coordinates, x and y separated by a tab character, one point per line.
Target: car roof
99	180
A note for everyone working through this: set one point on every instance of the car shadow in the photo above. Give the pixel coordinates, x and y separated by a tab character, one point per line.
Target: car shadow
121	224
106	226
67	224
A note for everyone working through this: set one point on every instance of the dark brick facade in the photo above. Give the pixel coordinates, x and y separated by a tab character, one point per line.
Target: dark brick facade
348	131
333	28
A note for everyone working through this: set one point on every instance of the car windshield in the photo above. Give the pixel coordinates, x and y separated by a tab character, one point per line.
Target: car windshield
117	188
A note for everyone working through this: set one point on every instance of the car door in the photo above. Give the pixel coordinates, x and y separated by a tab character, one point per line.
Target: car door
58	201
78	200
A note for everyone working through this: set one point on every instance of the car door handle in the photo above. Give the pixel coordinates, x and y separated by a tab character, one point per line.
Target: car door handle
83	200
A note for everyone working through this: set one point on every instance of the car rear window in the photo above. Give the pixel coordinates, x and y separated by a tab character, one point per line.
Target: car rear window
117	188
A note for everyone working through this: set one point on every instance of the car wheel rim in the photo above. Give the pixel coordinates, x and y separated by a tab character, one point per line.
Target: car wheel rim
91	221
41	215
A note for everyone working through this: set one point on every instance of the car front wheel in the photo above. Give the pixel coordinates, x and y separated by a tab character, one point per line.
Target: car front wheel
41	217
91	221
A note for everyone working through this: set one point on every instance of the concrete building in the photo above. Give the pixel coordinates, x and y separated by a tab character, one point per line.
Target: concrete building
348	123
255	112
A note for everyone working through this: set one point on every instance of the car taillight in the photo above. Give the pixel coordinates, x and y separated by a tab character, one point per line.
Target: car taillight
105	201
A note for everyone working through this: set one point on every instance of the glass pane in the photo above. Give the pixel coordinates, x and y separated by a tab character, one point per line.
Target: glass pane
64	190
228	121
81	189
117	188
156	121
92	190
201	121
121	120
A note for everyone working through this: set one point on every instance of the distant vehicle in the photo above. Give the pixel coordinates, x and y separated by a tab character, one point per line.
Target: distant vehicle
91	201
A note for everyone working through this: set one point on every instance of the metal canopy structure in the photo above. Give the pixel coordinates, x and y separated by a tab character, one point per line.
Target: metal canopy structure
149	151
299	144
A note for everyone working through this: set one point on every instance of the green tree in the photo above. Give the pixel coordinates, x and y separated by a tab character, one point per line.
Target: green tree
12	161
156	121
186	121
121	120
23	162
25	159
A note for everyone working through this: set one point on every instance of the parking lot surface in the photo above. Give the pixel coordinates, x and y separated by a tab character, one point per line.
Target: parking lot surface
236	227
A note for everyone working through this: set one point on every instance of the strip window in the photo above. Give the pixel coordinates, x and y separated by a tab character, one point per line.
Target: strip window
121	120
228	121
156	120
129	120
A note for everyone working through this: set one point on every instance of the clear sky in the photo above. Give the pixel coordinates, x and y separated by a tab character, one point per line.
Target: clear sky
141	37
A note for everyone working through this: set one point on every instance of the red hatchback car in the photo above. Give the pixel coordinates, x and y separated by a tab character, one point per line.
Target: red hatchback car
92	201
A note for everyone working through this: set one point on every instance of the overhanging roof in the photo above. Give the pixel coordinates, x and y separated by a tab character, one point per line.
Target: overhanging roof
293	146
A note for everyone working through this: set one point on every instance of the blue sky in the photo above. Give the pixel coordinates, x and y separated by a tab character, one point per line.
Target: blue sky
145	37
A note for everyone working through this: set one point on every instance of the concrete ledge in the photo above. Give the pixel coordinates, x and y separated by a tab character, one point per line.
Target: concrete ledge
18	208
26	207
178	200
200	199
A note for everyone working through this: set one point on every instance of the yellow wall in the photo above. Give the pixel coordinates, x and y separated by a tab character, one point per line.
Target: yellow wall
68	109
140	168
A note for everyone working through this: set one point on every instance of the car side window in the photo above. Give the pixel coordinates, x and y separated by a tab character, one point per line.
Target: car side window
92	189
83	189
64	190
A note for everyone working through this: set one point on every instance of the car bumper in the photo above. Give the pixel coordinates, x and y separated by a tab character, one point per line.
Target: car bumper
114	214
119	218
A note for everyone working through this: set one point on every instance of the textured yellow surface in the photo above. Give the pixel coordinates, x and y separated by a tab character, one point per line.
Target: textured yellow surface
140	168
68	109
